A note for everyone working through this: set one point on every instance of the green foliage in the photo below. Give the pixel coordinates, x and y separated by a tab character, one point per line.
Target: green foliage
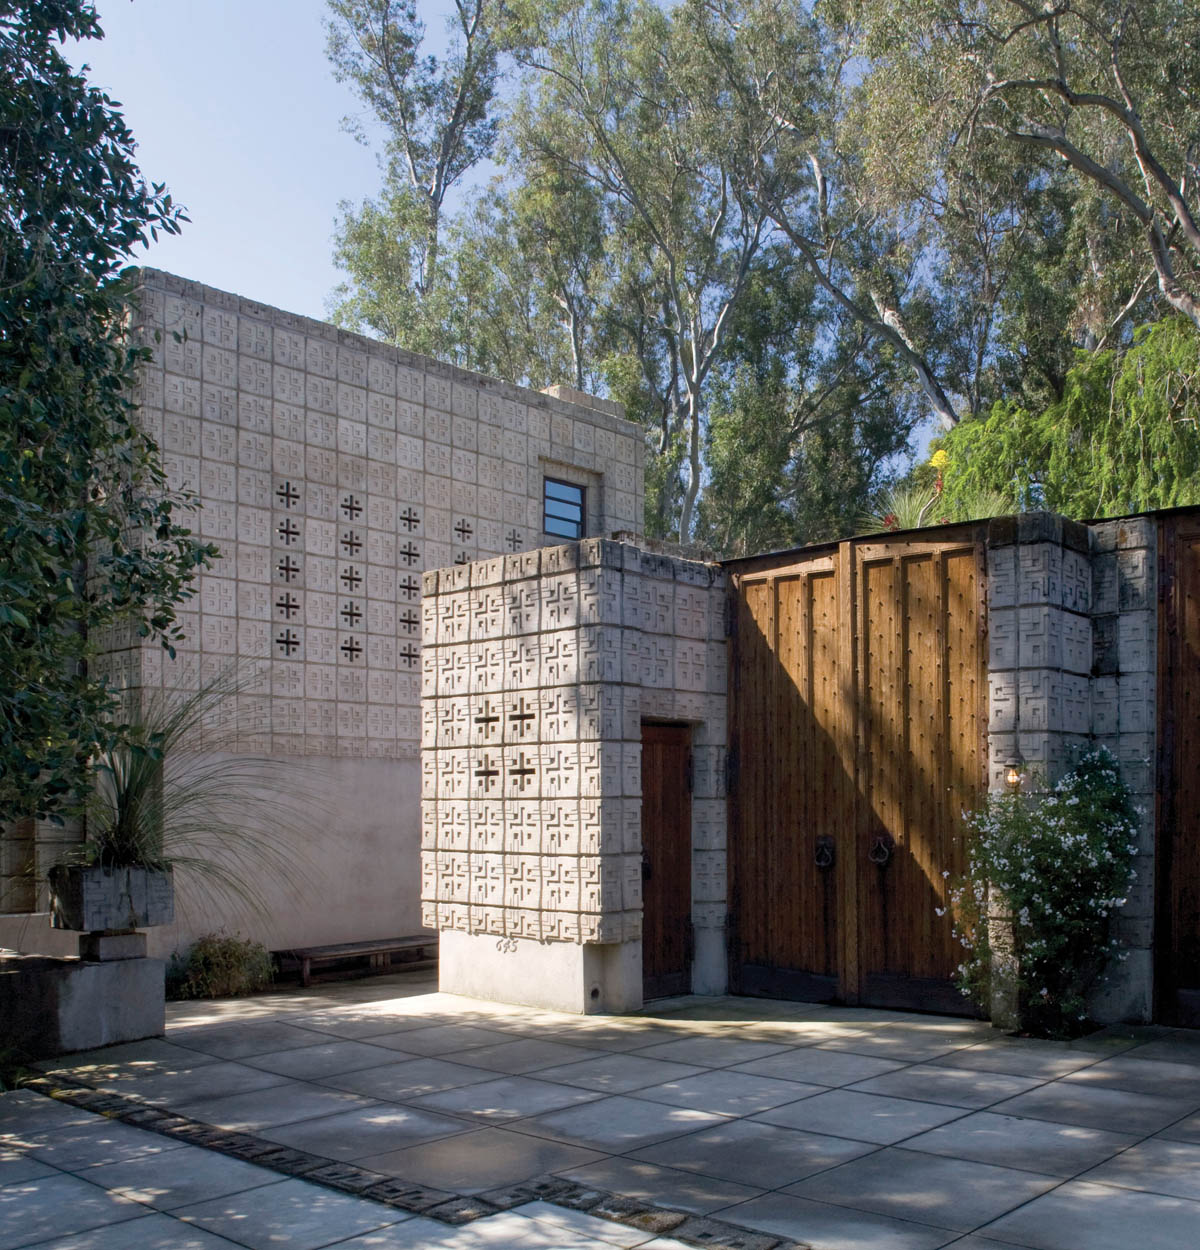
1059	864
176	791
437	117
220	966
90	531
1124	437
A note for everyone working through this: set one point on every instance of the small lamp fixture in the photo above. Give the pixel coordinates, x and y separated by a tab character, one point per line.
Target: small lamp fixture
1013	771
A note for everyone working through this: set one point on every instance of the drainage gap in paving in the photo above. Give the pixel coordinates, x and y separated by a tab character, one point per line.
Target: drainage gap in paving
450	1208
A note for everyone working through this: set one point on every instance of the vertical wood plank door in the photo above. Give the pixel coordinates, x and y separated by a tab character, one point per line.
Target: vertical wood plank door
857	723
1177	929
666	860
788	808
921	693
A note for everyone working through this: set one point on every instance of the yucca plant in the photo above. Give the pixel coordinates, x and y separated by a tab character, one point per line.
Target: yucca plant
175	793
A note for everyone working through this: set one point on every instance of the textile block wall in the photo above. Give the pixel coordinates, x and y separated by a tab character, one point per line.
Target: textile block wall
331	471
1072	627
539	669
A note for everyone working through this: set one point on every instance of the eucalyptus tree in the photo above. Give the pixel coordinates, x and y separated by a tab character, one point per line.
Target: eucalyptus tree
438	119
1103	89
631	98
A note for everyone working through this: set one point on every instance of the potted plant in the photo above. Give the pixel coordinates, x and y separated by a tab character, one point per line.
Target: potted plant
173	794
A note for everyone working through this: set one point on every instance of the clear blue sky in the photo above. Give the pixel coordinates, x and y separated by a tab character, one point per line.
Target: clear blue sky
234	106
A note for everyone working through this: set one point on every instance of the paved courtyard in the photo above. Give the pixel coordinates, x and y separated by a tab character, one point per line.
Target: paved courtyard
833	1127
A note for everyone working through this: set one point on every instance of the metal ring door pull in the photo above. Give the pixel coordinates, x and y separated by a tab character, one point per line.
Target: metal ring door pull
824	854
881	850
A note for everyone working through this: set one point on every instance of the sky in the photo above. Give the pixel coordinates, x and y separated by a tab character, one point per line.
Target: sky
234	106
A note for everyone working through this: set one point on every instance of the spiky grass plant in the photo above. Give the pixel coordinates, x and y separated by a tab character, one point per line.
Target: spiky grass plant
177	793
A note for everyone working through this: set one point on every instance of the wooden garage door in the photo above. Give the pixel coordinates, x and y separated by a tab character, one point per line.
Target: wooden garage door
858	696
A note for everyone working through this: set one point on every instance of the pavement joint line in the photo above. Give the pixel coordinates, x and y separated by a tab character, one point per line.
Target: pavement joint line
443	1205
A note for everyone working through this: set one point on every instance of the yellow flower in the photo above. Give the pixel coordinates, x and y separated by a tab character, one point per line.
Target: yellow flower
940	458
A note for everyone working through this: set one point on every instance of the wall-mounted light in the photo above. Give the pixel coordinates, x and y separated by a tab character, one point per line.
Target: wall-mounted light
1013	771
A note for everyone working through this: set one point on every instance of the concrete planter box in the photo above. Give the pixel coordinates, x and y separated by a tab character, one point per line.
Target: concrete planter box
98	900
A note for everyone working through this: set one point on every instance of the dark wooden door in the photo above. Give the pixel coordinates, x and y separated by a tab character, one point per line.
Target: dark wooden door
1177	930
858	689
791	806
921	749
666	860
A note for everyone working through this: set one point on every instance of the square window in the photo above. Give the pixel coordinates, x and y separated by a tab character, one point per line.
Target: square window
563	511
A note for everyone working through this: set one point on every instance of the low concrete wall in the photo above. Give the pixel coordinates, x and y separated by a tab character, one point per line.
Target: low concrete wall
54	1006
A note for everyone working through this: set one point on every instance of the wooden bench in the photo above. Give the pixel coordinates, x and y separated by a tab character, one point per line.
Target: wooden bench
378	952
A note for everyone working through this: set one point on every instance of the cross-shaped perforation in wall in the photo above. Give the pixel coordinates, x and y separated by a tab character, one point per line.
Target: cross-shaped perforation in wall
351	507
351	649
486	773
287	494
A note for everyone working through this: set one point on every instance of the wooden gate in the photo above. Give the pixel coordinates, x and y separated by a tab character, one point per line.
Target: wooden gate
858	736
1177	857
666	860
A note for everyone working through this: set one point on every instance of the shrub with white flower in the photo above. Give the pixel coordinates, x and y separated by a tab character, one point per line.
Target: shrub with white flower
1058	864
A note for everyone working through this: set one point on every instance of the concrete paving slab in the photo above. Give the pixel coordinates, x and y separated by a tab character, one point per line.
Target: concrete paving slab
730	1093
947	1193
619	1123
825	1227
581	1224
268	1108
179	1178
1180	1081
1157	1166
1036	1145
820	1067
1187	1129
956	1087
365	1131
519	1055
481	1160
153	1052
239	1039
1019	1057
174	1087
407	1079
759	1155
1110	1109
509	1098
98	1141
903	1045
1099	1217
310	1063
290	1213
22	1112
711	1052
149	1232
56	1206
617	1073
863	1117
663	1186
447	1039
15	1167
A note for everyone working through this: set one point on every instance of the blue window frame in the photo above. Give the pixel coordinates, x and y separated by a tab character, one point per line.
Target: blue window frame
564	508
